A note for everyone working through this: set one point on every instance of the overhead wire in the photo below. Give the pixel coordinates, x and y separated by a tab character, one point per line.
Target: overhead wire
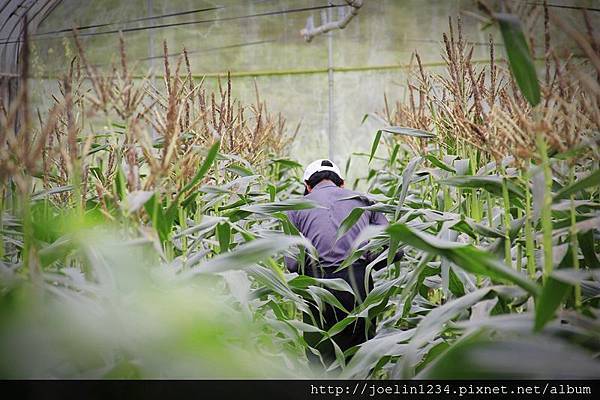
100	25
565	6
186	23
149	18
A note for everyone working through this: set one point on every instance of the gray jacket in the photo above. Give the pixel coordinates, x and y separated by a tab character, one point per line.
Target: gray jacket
320	225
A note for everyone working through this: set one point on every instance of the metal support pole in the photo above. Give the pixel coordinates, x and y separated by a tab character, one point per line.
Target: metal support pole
330	133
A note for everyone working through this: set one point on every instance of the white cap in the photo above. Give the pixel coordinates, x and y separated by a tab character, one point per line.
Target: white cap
316	166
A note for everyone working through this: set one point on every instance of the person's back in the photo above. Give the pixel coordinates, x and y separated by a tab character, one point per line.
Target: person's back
320	225
324	185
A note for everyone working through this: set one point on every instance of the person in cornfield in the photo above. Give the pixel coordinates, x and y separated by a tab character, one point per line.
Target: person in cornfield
324	185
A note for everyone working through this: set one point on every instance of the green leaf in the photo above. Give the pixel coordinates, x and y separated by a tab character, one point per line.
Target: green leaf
207	223
304	281
272	280
57	250
374	116
378	295
208	161
586	243
466	256
302	326
432	325
118	125
472	228
96	148
240	170
328	297
405	131
287	163
553	293
375	145
455	285
248	253
120	184
44	194
224	235
432	159
288	205
492	184
592	179
341	325
392	249
519	57
394	154
483	355
406	180
373	350
161	221
349	221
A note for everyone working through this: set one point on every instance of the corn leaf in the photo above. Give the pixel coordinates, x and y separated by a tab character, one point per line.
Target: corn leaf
288	205
208	161
483	356
519	56
466	256
553	293
248	254
592	180
350	221
375	145
492	184
432	159
405	131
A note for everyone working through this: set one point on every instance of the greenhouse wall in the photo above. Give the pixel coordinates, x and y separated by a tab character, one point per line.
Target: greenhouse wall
259	42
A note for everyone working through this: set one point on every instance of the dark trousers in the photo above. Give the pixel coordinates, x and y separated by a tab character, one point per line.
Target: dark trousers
355	333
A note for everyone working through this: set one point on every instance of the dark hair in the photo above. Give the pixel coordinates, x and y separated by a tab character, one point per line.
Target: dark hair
317	177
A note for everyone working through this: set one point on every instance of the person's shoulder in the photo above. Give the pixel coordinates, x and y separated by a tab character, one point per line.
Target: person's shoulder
298	213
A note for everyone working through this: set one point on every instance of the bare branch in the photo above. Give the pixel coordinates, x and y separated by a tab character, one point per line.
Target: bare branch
309	31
